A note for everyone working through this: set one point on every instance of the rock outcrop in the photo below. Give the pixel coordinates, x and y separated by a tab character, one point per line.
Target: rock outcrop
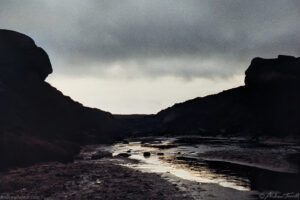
37	122
281	70
20	58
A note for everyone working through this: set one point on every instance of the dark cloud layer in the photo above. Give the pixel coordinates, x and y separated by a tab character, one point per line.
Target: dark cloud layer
207	38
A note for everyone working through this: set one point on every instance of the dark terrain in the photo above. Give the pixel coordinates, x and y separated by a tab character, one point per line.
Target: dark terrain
39	126
85	180
37	122
268	105
36	119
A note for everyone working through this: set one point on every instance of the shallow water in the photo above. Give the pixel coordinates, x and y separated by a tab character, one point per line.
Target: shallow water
183	159
159	164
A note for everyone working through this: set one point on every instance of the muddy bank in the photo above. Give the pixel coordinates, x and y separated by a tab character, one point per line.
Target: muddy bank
159	168
101	179
100	175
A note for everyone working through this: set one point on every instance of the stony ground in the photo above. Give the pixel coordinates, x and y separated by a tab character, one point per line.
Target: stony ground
95	174
85	180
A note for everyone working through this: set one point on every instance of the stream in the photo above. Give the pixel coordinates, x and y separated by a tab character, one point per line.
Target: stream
235	163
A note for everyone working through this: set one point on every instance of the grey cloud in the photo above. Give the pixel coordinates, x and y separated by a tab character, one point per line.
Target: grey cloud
208	38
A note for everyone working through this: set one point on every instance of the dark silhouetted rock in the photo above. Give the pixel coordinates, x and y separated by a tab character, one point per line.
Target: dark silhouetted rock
281	70
31	108
124	155
100	155
147	154
20	58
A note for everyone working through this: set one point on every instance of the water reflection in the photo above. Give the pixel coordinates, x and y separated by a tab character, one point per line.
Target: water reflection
172	162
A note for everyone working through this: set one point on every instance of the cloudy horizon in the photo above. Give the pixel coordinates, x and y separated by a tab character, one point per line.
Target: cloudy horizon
139	56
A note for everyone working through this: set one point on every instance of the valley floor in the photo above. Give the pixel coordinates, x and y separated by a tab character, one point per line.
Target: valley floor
105	178
161	168
101	179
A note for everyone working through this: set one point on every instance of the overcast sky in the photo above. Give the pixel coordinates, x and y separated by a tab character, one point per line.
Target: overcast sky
140	56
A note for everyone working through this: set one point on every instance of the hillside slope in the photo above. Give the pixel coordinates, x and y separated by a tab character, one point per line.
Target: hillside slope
268	104
37	122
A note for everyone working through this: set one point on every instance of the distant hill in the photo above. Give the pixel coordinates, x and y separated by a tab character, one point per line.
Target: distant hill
37	122
268	104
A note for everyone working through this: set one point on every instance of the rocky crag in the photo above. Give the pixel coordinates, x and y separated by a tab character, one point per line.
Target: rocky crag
37	122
